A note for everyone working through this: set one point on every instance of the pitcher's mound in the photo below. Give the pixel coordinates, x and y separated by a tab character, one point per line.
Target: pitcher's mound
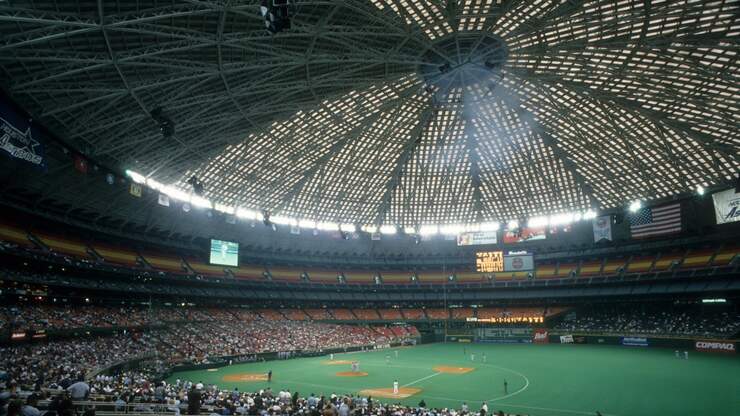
351	374
403	392
453	370
246	377
336	362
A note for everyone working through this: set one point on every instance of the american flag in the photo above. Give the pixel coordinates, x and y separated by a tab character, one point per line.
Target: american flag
648	222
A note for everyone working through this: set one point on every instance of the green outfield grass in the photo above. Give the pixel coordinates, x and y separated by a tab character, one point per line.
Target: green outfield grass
542	379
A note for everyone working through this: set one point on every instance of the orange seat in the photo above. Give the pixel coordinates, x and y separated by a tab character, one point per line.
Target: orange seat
725	256
165	263
14	235
697	259
64	245
641	264
117	255
590	269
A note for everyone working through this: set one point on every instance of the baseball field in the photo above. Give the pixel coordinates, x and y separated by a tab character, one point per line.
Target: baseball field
540	379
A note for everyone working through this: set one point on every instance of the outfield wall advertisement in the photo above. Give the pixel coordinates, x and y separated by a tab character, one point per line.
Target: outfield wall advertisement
634	341
723	346
540	336
566	339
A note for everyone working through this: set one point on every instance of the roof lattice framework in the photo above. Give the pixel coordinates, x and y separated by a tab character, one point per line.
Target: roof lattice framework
403	112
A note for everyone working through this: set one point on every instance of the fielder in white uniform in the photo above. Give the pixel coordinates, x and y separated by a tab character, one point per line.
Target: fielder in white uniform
395	387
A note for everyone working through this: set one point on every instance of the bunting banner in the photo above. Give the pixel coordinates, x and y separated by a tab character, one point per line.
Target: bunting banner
19	139
476	238
164	200
726	206
602	228
135	189
524	234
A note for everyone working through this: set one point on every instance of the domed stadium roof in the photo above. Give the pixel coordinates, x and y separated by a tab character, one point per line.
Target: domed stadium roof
391	111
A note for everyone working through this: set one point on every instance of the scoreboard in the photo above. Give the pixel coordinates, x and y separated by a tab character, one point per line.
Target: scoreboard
489	261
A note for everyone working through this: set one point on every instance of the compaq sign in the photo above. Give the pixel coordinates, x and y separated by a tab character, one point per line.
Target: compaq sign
715	346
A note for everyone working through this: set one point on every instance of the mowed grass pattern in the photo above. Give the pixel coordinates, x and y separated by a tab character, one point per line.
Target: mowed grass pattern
542	379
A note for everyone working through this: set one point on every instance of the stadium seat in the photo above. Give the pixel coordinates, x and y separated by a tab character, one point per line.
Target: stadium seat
14	235
116	255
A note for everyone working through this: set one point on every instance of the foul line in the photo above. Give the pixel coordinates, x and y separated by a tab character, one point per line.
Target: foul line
421	379
526	382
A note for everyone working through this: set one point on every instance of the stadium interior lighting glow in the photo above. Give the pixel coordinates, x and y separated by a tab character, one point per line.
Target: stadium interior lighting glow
428	230
307	224
246	214
717	300
452	229
200	202
700	190
327	226
561	219
589	215
226	209
136	177
281	220
635	206
388	229
536	222
490	226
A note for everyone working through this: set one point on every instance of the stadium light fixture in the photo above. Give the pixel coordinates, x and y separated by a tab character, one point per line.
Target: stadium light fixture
428	230
409	230
136	177
716	300
635	206
175	193
226	209
700	190
512	225
388	229
369	229
348	228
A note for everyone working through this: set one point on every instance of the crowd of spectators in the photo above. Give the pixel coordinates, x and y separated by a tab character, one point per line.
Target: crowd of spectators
59	363
136	392
652	319
54	363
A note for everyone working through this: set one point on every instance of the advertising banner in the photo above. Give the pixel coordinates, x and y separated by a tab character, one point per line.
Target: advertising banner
524	234
723	346
518	263
476	238
602	228
540	336
726	206
634	341
566	339
19	139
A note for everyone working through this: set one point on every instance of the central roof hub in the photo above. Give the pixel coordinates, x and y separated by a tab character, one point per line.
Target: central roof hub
464	59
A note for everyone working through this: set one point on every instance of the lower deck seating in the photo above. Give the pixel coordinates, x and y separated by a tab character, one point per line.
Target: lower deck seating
343	314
